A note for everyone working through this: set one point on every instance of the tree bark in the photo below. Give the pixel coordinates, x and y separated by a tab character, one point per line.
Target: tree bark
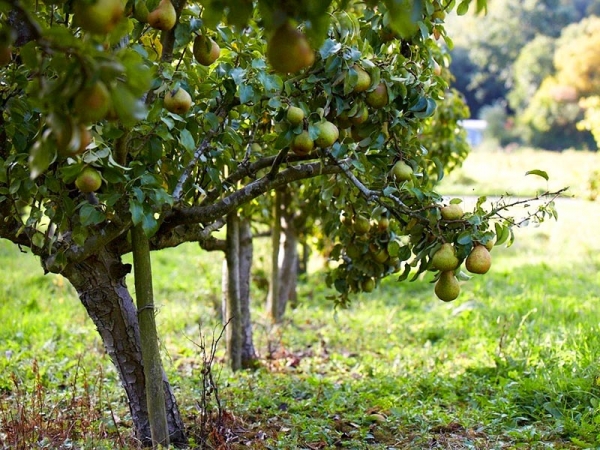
288	269
249	356
100	283
233	315
273	296
153	369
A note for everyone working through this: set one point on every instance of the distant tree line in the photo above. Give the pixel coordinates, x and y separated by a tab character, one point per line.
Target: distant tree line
532	69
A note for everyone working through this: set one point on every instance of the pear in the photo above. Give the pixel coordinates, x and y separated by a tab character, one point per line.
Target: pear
368	285
328	134
89	180
489	244
92	103
378	97
445	258
361	225
72	139
288	50
163	17
364	79
360	117
451	212
295	115
206	51
100	17
479	260
447	287
178	101
402	171
302	144
5	55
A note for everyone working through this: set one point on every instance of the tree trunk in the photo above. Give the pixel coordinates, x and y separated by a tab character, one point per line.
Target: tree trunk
273	296
233	309
100	283
249	357
288	268
153	369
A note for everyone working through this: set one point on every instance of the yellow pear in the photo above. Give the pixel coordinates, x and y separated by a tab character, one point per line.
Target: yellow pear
378	97
302	144
288	50
328	134
447	287
364	79
100	17
89	180
178	101
294	115
479	260
361	225
163	17
451	212
402	171
445	258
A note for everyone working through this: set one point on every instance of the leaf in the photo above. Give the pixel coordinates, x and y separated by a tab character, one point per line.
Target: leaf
41	156
187	140
137	212
463	8
539	173
128	107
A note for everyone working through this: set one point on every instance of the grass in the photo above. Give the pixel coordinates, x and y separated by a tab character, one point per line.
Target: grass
513	363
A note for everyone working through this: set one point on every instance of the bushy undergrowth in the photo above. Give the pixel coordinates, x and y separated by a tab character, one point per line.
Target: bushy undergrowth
513	363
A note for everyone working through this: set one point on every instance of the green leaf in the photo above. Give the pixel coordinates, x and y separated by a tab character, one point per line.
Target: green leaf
90	215
41	156
137	212
128	107
539	173
187	140
463	8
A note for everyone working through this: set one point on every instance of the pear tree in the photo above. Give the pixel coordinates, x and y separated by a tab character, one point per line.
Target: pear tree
137	126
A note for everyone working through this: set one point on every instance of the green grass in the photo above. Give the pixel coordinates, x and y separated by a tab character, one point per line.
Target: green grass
513	363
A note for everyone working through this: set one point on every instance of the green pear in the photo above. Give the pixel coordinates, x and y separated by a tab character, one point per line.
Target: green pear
368	285
100	17
364	79
361	225
92	103
447	287
402	171
163	17
89	180
360	117
445	258
378	97
206	51
288	50
295	115
479	260
451	212
140	11
178	101
328	134
302	144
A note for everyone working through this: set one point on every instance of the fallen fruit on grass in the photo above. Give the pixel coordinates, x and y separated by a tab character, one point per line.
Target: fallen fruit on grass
89	180
447	287
445	258
479	260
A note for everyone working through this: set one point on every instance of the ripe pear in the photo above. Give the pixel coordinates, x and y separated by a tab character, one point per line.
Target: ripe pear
328	134
93	102
379	255
178	101
295	115
206	51
364	79
100	17
72	140
378	97
445	258
163	17
451	212
89	180
479	260
361	225
402	171
447	287
302	144
288	50
489	245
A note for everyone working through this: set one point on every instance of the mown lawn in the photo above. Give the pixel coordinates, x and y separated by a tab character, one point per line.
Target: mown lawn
513	363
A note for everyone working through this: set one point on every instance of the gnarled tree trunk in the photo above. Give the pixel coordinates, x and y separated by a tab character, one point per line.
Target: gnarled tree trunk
100	283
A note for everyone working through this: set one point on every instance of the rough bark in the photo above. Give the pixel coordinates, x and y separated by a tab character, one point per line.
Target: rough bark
288	266
233	314
249	356
100	283
153	369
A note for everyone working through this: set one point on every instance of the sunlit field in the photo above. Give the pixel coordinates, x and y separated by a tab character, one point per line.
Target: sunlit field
512	363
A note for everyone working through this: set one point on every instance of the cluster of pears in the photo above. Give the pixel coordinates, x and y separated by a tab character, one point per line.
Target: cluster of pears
446	260
302	143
